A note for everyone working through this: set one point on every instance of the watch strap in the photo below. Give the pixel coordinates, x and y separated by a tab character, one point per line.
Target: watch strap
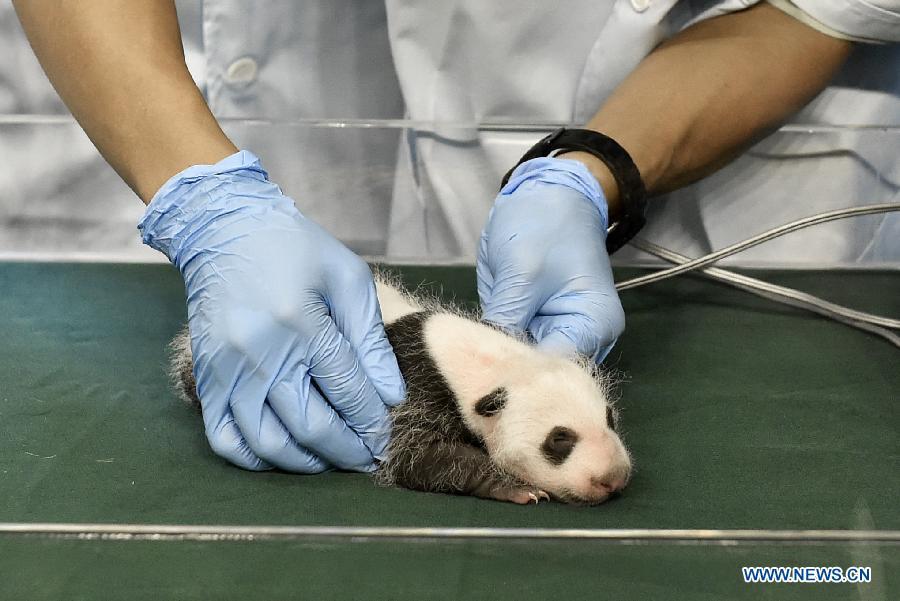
632	194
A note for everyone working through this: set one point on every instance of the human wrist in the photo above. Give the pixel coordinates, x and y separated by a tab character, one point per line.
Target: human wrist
192	199
632	194
604	177
561	172
152	171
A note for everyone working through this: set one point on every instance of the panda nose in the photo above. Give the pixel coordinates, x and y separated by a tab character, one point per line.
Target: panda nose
612	481
607	486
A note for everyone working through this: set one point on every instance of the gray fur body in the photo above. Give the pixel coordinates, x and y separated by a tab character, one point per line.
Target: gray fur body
431	448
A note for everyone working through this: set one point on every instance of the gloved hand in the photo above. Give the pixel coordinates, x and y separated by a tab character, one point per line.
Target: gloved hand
542	261
292	364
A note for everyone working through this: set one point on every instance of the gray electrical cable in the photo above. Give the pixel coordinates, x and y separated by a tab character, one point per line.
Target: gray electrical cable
783	294
756	240
868	322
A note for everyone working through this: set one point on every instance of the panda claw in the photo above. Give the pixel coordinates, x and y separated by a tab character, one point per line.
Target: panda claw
518	495
538	496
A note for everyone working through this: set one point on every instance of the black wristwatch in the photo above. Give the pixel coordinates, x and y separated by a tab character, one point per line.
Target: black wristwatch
632	194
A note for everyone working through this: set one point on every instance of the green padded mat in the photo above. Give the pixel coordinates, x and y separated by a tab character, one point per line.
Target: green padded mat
740	414
78	570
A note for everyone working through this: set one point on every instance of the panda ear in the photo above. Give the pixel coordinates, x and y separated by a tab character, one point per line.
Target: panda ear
491	403
612	418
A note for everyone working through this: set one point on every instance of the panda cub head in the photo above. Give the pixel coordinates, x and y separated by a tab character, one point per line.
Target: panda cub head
543	418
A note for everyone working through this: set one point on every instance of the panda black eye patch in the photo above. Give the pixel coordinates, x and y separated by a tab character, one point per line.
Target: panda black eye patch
491	403
559	444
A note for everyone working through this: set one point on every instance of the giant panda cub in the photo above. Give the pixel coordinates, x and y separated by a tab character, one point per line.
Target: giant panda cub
486	414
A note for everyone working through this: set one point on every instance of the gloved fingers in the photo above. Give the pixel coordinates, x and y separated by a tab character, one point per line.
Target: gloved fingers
267	437
592	319
357	315
483	275
227	442
316	427
571	334
507	274
224	435
246	399
513	301
559	342
279	448
336	370
555	341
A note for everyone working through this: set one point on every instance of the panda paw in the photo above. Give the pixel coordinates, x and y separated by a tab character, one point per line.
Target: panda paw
521	495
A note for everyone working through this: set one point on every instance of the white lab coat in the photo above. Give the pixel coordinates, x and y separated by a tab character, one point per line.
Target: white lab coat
422	193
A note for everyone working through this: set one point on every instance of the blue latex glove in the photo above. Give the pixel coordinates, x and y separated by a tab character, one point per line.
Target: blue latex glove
292	364
542	261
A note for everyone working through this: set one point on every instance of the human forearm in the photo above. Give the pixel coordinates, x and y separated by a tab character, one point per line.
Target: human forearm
119	67
705	95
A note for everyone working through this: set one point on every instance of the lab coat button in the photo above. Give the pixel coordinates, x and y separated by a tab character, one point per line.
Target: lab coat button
640	5
242	71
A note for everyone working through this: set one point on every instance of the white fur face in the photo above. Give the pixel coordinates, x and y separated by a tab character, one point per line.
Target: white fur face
554	433
543	418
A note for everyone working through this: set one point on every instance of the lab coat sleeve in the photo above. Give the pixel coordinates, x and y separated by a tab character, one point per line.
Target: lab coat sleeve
859	20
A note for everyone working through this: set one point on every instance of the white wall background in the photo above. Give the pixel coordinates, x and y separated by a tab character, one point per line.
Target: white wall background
332	61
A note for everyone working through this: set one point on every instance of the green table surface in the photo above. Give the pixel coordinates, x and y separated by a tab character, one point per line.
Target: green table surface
740	414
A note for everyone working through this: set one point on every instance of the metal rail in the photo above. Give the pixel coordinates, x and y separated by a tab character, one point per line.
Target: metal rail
170	532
